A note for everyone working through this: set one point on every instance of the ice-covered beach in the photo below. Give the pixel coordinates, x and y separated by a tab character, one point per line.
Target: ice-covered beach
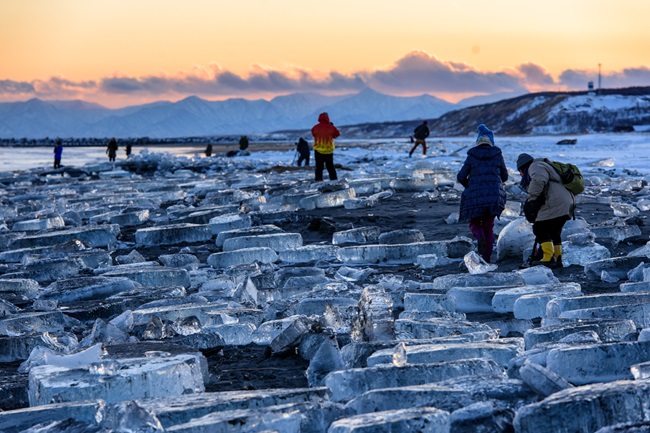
620	151
171	292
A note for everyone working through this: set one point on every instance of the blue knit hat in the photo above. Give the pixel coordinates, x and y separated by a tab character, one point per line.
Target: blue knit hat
484	131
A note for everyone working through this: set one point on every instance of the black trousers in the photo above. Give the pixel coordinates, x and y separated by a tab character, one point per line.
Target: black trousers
324	160
550	230
303	157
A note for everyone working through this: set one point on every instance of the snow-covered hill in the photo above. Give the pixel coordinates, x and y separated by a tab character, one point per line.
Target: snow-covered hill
534	113
554	113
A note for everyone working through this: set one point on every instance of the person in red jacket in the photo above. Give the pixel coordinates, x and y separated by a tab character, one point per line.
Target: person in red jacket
324	134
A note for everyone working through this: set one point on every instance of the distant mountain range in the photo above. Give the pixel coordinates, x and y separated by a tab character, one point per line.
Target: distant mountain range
534	113
194	116
365	114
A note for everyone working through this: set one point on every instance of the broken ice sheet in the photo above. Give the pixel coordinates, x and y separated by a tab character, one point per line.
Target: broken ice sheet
477	265
624	210
399	355
452	218
608	277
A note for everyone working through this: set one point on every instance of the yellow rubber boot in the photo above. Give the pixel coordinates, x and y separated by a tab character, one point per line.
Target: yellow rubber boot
547	251
557	254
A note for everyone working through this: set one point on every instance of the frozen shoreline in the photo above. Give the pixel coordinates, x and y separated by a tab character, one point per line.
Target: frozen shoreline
629	151
204	275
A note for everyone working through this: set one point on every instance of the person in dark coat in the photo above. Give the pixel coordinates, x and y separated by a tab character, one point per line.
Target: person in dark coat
111	149
208	150
128	149
243	143
484	198
302	146
58	152
553	206
420	134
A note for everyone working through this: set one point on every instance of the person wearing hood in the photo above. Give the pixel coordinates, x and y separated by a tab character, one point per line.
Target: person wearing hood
483	174
324	134
548	207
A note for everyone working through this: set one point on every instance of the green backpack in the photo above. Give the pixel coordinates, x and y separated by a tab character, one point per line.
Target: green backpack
570	174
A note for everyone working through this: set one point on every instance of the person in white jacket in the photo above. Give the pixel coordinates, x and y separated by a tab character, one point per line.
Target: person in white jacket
548	207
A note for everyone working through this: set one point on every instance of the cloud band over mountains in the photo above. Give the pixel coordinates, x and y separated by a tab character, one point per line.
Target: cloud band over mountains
415	73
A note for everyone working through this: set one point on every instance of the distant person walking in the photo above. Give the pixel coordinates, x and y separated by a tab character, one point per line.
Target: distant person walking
111	149
302	147
484	198
208	150
324	133
243	143
58	152
127	149
420	134
548	207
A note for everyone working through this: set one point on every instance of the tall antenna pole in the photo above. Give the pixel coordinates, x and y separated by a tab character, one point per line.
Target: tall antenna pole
598	76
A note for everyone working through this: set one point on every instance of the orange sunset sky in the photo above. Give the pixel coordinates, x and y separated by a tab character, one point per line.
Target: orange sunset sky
125	52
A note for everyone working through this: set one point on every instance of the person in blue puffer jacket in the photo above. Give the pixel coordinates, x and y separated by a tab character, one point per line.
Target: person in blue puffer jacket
58	152
484	198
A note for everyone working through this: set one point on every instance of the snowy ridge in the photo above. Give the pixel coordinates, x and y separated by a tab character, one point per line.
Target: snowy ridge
526	108
596	112
535	113
368	114
553	113
194	116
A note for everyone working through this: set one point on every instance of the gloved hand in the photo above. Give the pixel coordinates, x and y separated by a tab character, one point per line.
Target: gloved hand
531	209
